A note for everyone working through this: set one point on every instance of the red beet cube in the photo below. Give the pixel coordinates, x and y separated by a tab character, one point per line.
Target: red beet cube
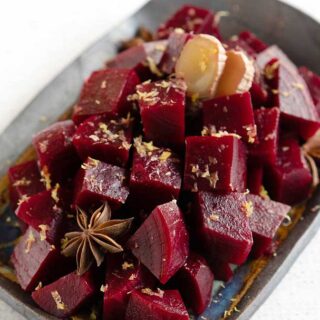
223	226
289	92
160	305
122	277
106	92
221	270
162	109
33	260
289	179
247	42
191	19
264	151
194	117
25	180
264	222
139	58
162	242
176	42
258	90
215	163
65	296
238	44
313	82
105	139
155	175
44	212
274	52
195	281
253	41
233	114
100	182
56	154
255	179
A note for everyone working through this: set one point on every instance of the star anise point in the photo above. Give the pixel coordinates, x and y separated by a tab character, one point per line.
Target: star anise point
95	238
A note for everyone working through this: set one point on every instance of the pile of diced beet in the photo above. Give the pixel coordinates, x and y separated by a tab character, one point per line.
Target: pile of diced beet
129	144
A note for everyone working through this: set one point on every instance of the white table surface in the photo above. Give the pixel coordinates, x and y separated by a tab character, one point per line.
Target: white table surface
39	38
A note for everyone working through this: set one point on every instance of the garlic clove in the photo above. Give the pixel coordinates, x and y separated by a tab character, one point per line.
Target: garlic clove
237	75
201	64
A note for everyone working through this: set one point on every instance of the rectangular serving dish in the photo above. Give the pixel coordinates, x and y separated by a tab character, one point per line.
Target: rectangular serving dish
255	280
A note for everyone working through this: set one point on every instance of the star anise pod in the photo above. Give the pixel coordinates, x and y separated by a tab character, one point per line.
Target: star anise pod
95	238
142	35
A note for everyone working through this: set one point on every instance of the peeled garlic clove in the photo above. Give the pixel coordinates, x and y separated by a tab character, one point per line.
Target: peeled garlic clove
200	64
237	75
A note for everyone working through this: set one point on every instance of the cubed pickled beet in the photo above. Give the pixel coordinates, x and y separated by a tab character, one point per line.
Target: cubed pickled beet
65	296
253	41
233	114
190	19
290	93
162	242
104	138
195	282
194	117
221	270
274	52
313	82
44	212
248	42
158	305
162	109
255	178
258	90
215	163
136	58
100	182
176	42
124	274
289	179
36	260
106	92
223	226
57	156
264	151
238	44
264	222
24	180
155	176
